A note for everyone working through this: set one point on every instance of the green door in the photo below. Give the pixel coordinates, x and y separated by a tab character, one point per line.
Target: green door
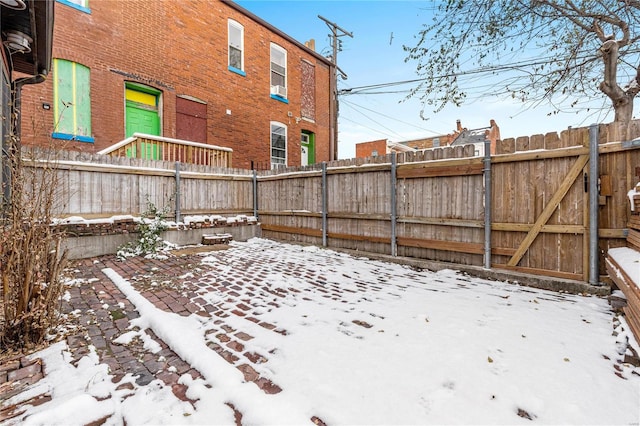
142	121
141	116
307	145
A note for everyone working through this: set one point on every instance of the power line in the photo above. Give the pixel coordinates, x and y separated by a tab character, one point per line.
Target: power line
371	119
515	66
353	105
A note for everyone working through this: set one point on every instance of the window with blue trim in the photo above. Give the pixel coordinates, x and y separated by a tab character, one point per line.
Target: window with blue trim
82	5
278	144
236	47
278	73
71	101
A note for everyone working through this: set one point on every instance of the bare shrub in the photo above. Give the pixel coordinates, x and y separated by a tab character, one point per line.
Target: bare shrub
31	259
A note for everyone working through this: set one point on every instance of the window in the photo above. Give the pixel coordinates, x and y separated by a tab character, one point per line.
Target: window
278	144
82	5
71	101
436	142
236	47
278	72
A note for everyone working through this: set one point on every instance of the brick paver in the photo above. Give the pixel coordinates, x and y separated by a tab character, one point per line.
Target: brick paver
101	313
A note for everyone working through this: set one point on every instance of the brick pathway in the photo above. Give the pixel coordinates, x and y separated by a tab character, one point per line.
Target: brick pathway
98	312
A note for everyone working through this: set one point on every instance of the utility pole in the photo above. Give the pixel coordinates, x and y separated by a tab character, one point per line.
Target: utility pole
336	33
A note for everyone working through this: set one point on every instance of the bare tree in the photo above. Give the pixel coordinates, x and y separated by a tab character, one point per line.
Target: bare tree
561	52
31	255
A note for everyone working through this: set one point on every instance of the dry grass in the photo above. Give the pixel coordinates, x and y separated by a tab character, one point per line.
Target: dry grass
31	260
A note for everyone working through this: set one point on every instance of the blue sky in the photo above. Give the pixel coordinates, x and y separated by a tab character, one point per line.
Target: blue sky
374	55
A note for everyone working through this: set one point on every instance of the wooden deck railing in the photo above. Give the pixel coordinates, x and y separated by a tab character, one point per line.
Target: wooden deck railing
150	147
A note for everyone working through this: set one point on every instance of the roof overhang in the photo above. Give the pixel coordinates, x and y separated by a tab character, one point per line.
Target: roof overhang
36	22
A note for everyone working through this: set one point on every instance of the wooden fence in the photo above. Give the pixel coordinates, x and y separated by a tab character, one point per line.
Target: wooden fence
427	204
97	186
539	204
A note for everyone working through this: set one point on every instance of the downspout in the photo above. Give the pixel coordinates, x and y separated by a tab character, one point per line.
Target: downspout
12	148
16	99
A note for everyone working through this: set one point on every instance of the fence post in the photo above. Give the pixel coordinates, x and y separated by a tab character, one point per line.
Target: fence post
394	207
487	203
324	204
594	277
255	193
178	213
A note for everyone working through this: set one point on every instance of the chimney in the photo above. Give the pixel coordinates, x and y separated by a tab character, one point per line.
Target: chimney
458	126
311	44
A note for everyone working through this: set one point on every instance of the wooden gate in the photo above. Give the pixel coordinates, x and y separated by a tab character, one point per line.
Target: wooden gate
540	210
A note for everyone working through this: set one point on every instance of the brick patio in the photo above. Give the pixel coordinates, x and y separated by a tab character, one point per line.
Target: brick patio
98	312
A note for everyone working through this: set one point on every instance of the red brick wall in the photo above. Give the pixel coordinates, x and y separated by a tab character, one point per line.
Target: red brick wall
365	149
180	48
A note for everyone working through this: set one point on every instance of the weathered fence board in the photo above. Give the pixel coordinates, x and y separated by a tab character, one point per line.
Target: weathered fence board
94	186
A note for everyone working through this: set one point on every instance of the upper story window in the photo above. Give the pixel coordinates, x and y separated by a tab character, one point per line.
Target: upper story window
82	5
278	144
278	72
236	47
71	101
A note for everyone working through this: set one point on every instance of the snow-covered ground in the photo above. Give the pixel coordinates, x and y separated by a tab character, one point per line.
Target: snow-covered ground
393	345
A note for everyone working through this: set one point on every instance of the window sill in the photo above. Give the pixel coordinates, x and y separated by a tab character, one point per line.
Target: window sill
280	98
75	6
69	137
237	71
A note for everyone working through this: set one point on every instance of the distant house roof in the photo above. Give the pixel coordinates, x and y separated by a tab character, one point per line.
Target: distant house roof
471	136
398	146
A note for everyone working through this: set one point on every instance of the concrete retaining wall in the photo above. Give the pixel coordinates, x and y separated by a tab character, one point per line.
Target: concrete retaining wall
97	245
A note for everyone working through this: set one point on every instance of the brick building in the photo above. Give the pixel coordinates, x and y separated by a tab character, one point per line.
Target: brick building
460	136
379	147
203	71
